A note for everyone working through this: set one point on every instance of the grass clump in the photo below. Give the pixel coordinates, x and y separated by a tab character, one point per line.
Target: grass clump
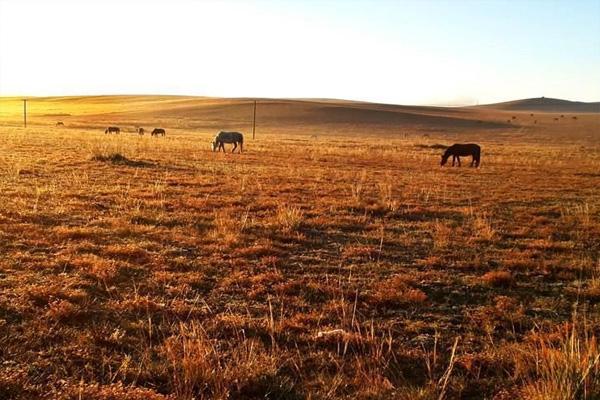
565	366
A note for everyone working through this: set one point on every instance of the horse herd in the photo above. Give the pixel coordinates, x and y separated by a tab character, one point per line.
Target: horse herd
140	131
236	138
217	144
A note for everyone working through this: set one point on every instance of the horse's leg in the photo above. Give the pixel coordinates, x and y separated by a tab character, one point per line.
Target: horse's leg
453	159
234	147
241	146
458	159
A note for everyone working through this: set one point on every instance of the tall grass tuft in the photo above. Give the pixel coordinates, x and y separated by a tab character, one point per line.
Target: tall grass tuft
289	218
566	368
201	368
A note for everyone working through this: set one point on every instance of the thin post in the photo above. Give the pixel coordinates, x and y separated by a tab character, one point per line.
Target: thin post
25	113
254	121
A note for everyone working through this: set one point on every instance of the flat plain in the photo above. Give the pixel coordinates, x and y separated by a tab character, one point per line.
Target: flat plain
333	259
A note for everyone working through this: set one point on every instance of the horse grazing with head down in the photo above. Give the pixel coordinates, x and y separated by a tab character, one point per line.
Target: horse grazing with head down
112	129
227	137
158	131
458	150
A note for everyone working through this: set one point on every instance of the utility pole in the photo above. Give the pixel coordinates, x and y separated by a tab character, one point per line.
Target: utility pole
254	122
25	113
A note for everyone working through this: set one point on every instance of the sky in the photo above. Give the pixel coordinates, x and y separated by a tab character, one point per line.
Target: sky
455	52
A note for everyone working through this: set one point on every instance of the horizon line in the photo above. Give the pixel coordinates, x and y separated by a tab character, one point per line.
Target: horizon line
250	98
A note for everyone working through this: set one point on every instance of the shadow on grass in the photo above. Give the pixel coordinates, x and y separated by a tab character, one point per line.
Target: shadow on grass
433	146
119	159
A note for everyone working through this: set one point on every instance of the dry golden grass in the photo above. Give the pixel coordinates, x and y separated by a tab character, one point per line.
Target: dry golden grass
335	267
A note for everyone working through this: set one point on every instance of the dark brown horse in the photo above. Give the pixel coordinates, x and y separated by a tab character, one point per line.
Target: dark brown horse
462	150
158	131
112	129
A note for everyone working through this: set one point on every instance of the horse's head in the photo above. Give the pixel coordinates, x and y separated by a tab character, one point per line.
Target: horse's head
444	159
213	145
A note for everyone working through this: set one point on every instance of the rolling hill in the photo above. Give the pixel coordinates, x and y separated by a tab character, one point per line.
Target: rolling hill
546	104
275	115
293	116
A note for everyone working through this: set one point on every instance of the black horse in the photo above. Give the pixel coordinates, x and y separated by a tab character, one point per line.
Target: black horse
458	150
158	131
112	129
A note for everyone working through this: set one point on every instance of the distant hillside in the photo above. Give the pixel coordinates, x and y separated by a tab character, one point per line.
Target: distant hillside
273	115
546	104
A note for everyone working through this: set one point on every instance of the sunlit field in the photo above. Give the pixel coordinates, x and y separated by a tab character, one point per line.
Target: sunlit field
327	261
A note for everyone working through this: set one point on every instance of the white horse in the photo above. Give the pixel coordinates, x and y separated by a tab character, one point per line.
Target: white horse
228	137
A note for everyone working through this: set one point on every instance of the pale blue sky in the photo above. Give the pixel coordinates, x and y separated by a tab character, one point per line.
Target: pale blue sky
409	52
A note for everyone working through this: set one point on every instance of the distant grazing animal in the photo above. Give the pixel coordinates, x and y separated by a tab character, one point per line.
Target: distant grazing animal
574	117
59	123
228	137
556	119
458	150
158	131
141	131
112	129
514	117
531	115
535	122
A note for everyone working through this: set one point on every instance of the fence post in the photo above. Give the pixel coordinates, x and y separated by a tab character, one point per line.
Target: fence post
254	121
25	113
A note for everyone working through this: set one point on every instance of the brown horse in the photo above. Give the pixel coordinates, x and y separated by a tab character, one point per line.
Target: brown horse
158	131
458	150
112	129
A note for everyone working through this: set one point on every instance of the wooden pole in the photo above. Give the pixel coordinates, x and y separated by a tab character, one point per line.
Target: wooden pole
254	122
25	113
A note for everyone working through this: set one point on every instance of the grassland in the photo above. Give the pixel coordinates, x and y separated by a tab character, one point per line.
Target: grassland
330	260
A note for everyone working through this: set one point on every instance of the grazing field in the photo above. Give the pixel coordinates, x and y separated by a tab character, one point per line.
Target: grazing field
333	259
